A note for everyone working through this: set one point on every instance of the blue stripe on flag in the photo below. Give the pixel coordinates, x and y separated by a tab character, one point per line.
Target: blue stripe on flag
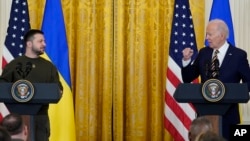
55	36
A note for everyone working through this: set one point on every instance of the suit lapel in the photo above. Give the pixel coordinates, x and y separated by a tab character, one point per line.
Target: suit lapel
227	57
208	54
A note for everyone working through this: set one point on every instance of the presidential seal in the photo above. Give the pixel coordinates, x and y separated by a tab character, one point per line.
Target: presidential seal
213	90
22	91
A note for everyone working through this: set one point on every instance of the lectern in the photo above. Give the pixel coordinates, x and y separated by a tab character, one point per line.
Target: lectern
44	93
193	93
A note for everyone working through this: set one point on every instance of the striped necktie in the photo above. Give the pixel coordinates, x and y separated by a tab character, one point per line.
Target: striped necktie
215	64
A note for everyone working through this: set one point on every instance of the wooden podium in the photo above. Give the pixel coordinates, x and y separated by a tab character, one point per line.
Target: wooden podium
192	93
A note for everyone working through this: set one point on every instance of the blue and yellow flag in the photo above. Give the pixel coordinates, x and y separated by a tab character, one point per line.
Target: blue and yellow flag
61	115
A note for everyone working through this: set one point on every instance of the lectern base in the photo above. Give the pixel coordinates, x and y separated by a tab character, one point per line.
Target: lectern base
211	108
23	108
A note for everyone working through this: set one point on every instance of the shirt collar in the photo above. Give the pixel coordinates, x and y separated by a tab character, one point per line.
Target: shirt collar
223	48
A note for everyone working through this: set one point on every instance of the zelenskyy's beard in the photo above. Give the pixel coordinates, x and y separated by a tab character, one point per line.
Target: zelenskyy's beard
38	52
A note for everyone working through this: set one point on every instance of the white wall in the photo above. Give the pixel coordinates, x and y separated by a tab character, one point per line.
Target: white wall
5	6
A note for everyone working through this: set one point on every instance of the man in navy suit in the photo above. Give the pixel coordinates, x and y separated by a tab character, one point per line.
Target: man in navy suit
233	66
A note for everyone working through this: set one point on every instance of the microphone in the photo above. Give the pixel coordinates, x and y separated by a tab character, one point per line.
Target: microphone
28	68
217	66
19	69
207	68
216	63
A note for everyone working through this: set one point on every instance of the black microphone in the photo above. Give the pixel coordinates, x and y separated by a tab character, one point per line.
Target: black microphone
19	69
207	68
217	66
28	68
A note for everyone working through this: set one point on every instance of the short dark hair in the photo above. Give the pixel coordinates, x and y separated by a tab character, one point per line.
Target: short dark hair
13	123
199	125
4	135
209	136
30	34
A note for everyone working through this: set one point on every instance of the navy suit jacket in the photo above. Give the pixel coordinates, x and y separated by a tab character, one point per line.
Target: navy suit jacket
234	69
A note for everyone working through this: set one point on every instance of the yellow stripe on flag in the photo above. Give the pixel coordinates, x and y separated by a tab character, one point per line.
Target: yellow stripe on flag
61	115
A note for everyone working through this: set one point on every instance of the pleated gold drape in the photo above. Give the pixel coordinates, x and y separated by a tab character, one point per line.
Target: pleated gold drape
118	54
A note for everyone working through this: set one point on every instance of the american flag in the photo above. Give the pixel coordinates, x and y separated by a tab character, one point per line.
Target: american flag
178	116
14	41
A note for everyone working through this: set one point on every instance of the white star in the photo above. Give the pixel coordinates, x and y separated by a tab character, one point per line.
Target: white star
14	27
183	16
183	25
191	35
184	7
177	6
24	3
23	20
176	15
21	37
24	12
175	33
183	43
175	42
191	43
16	10
17	1
13	35
13	44
15	18
176	50
176	24
183	34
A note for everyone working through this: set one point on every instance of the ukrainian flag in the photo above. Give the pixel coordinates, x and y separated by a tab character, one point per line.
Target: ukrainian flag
62	123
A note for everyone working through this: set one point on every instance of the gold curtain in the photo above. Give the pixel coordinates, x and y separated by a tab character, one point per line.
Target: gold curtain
118	54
